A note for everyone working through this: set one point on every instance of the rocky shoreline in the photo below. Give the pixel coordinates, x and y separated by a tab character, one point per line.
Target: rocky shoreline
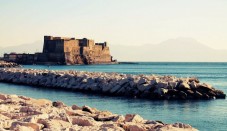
4	64
139	86
20	113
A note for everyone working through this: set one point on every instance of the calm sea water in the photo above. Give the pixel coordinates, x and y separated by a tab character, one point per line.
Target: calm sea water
210	115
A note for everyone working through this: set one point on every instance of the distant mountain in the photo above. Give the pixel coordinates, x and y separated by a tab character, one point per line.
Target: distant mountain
24	48
175	50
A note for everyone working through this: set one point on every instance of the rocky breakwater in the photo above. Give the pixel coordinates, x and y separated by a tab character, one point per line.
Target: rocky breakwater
20	113
140	86
4	64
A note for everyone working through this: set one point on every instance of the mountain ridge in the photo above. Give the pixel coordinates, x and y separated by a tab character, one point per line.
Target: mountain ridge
23	48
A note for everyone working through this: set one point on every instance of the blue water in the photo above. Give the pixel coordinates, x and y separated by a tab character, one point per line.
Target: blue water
203	114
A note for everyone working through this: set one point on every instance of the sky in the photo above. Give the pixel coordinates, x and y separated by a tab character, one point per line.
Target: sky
124	22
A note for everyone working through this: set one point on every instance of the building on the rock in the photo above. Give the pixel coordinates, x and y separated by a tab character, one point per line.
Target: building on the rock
61	50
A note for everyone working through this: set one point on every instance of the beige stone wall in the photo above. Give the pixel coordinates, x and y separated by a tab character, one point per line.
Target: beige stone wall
100	54
76	51
72	46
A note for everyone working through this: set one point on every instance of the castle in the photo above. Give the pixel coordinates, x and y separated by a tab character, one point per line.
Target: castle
66	51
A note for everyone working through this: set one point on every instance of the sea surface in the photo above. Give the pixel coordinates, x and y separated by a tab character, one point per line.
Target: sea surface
205	115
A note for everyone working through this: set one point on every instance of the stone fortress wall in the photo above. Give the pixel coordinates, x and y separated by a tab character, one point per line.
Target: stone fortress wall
63	50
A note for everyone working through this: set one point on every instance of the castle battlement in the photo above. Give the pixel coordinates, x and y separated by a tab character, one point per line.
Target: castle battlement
57	38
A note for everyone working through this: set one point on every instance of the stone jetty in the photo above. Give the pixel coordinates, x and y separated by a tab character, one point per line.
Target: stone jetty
4	64
139	86
21	113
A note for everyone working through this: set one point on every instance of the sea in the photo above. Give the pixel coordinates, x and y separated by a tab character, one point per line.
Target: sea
205	115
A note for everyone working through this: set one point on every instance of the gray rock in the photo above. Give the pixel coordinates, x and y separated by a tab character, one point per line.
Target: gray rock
123	81
121	91
162	84
198	95
193	79
193	85
132	83
142	81
172	85
144	87
145	94
183	95
189	92
106	88
153	82
160	91
94	87
205	87
115	89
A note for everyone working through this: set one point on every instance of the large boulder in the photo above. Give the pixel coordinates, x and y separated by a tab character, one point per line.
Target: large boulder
184	86
58	104
198	95
162	84
119	119
123	81
40	102
27	109
75	107
134	127
110	127
220	94
183	95
193	85
5	123
190	94
89	109
175	127
104	116
144	87
205	87
142	81
83	121
106	88
35	126
153	82
3	96
191	79
181	125
160	91
115	89
54	124
36	118
22	128
172	84
133	118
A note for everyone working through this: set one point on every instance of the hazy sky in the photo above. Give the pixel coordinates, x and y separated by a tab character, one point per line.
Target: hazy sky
131	22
